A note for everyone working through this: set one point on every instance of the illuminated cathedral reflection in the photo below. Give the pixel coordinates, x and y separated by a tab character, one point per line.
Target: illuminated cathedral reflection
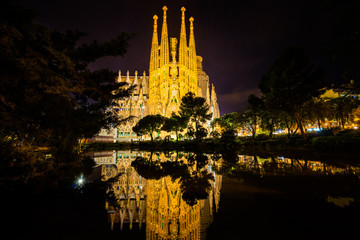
174	194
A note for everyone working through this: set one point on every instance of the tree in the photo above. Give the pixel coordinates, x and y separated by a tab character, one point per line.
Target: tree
149	124
290	82
175	124
269	120
196	111
342	108
356	114
48	95
228	121
249	119
287	121
318	109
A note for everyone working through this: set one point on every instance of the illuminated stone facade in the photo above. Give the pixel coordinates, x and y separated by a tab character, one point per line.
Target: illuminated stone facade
135	105
169	79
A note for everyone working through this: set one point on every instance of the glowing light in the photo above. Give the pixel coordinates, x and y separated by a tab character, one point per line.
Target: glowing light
80	181
314	129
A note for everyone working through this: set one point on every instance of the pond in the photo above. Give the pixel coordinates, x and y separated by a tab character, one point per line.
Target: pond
179	195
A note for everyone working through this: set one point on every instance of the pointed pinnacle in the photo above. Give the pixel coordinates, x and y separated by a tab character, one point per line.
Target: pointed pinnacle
155	20
191	22
165	9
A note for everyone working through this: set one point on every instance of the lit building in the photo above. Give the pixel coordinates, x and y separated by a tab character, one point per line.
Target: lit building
169	79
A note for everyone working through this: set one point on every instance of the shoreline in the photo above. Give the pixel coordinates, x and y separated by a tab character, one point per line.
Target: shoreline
324	148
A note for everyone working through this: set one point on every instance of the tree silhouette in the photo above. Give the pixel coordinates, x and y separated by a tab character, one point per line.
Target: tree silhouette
149	125
342	108
48	95
290	82
175	124
196	111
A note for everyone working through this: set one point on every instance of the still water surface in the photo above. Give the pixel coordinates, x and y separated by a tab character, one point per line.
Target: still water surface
178	195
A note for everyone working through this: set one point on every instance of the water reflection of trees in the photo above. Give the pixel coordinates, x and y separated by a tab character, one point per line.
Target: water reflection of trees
233	164
194	177
315	178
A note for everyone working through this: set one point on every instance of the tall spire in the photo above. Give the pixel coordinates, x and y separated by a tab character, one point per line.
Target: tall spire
154	55
164	47
182	44
192	50
193	81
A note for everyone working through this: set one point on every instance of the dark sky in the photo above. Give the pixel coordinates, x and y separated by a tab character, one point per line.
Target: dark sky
238	40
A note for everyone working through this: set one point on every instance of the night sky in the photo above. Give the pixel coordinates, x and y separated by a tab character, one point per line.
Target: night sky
238	40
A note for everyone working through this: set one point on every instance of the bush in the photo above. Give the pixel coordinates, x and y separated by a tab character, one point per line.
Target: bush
262	137
228	136
342	141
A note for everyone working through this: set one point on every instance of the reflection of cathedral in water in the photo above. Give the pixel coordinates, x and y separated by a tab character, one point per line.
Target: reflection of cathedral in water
158	203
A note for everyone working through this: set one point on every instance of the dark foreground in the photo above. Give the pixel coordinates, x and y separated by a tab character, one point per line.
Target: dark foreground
253	212
62	215
246	211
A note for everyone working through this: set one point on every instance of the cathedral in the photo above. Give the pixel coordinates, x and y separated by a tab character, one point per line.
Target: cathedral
174	70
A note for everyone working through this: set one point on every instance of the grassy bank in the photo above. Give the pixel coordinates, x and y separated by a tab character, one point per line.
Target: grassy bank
346	140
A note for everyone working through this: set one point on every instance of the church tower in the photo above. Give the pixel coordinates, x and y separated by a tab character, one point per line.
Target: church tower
171	79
